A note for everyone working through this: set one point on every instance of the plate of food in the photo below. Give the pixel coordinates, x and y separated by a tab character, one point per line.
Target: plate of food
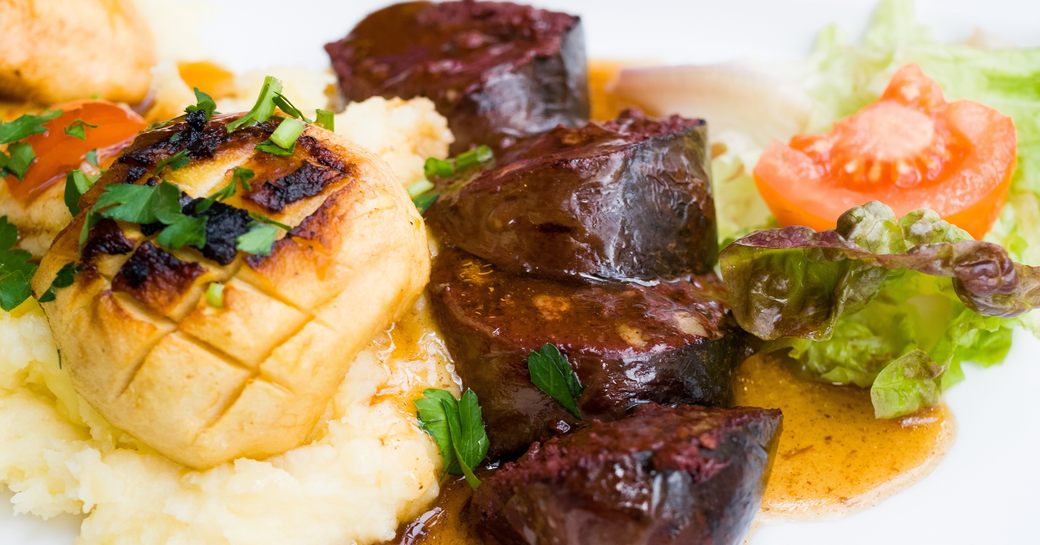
487	273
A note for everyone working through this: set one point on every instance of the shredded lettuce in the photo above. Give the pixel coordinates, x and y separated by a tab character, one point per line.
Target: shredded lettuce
896	305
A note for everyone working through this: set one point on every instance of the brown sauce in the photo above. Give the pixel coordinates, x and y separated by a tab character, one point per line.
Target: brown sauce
833	454
443	523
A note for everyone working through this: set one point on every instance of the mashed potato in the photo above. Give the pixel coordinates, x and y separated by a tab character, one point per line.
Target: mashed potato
368	467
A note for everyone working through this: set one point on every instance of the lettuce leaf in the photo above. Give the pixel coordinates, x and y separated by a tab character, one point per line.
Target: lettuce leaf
896	305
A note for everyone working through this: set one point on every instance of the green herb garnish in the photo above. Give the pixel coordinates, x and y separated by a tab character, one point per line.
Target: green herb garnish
553	374
457	426
182	230
259	240
446	168
264	107
20	156
92	158
76	184
176	161
65	277
425	201
325	119
283	140
16	268
25	126
143	204
78	129
215	295
239	175
288	107
203	103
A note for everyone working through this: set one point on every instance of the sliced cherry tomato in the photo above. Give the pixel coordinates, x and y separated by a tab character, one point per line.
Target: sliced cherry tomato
107	128
911	149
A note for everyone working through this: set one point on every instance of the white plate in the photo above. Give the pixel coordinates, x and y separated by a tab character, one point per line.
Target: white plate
985	491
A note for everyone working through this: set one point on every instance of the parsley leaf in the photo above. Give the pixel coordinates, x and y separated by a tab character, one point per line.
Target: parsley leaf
20	157
25	125
65	277
141	204
274	149
457	427
553	374
78	129
16	268
264	107
264	219
258	240
203	103
174	162
325	119
239	175
76	184
182	230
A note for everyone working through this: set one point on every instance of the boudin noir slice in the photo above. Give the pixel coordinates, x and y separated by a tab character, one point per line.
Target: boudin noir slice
498	71
627	199
661	476
628	344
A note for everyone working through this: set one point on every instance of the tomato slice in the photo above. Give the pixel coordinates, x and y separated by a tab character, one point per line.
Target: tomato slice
911	149
57	153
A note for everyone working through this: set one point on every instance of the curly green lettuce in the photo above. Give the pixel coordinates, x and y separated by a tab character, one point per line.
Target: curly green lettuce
893	304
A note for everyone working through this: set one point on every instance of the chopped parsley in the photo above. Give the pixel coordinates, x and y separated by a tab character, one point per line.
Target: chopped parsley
182	230
258	240
19	157
144	204
76	184
25	126
16	268
264	107
176	161
457	426
215	295
239	176
203	103
78	129
65	277
325	119
553	374
288	107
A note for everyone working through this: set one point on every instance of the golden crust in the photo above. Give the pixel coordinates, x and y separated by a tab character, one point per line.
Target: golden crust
59	50
205	385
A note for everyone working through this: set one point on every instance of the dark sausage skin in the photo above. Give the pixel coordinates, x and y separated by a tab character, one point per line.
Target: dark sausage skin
661	476
628	199
673	342
497	71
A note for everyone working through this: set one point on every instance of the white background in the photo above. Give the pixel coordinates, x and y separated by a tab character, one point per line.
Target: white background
985	491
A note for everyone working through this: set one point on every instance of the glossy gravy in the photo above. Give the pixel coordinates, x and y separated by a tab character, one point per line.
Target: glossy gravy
833	454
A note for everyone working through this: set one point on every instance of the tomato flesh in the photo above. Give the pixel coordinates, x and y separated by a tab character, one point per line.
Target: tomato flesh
910	150
57	153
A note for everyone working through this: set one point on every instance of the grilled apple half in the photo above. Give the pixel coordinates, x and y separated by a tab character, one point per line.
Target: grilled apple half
247	375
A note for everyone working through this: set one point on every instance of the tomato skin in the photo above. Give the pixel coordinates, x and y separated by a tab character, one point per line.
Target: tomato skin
910	150
58	153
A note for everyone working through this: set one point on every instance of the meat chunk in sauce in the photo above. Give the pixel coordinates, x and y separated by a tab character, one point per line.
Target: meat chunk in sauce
627	199
498	71
661	476
673	342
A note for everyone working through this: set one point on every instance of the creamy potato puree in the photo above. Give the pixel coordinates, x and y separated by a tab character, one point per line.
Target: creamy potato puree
367	468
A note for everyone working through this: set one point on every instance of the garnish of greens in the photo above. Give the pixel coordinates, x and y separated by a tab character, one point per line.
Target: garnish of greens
76	184
553	374
19	155
893	304
215	295
457	426
203	103
17	270
78	129
422	192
